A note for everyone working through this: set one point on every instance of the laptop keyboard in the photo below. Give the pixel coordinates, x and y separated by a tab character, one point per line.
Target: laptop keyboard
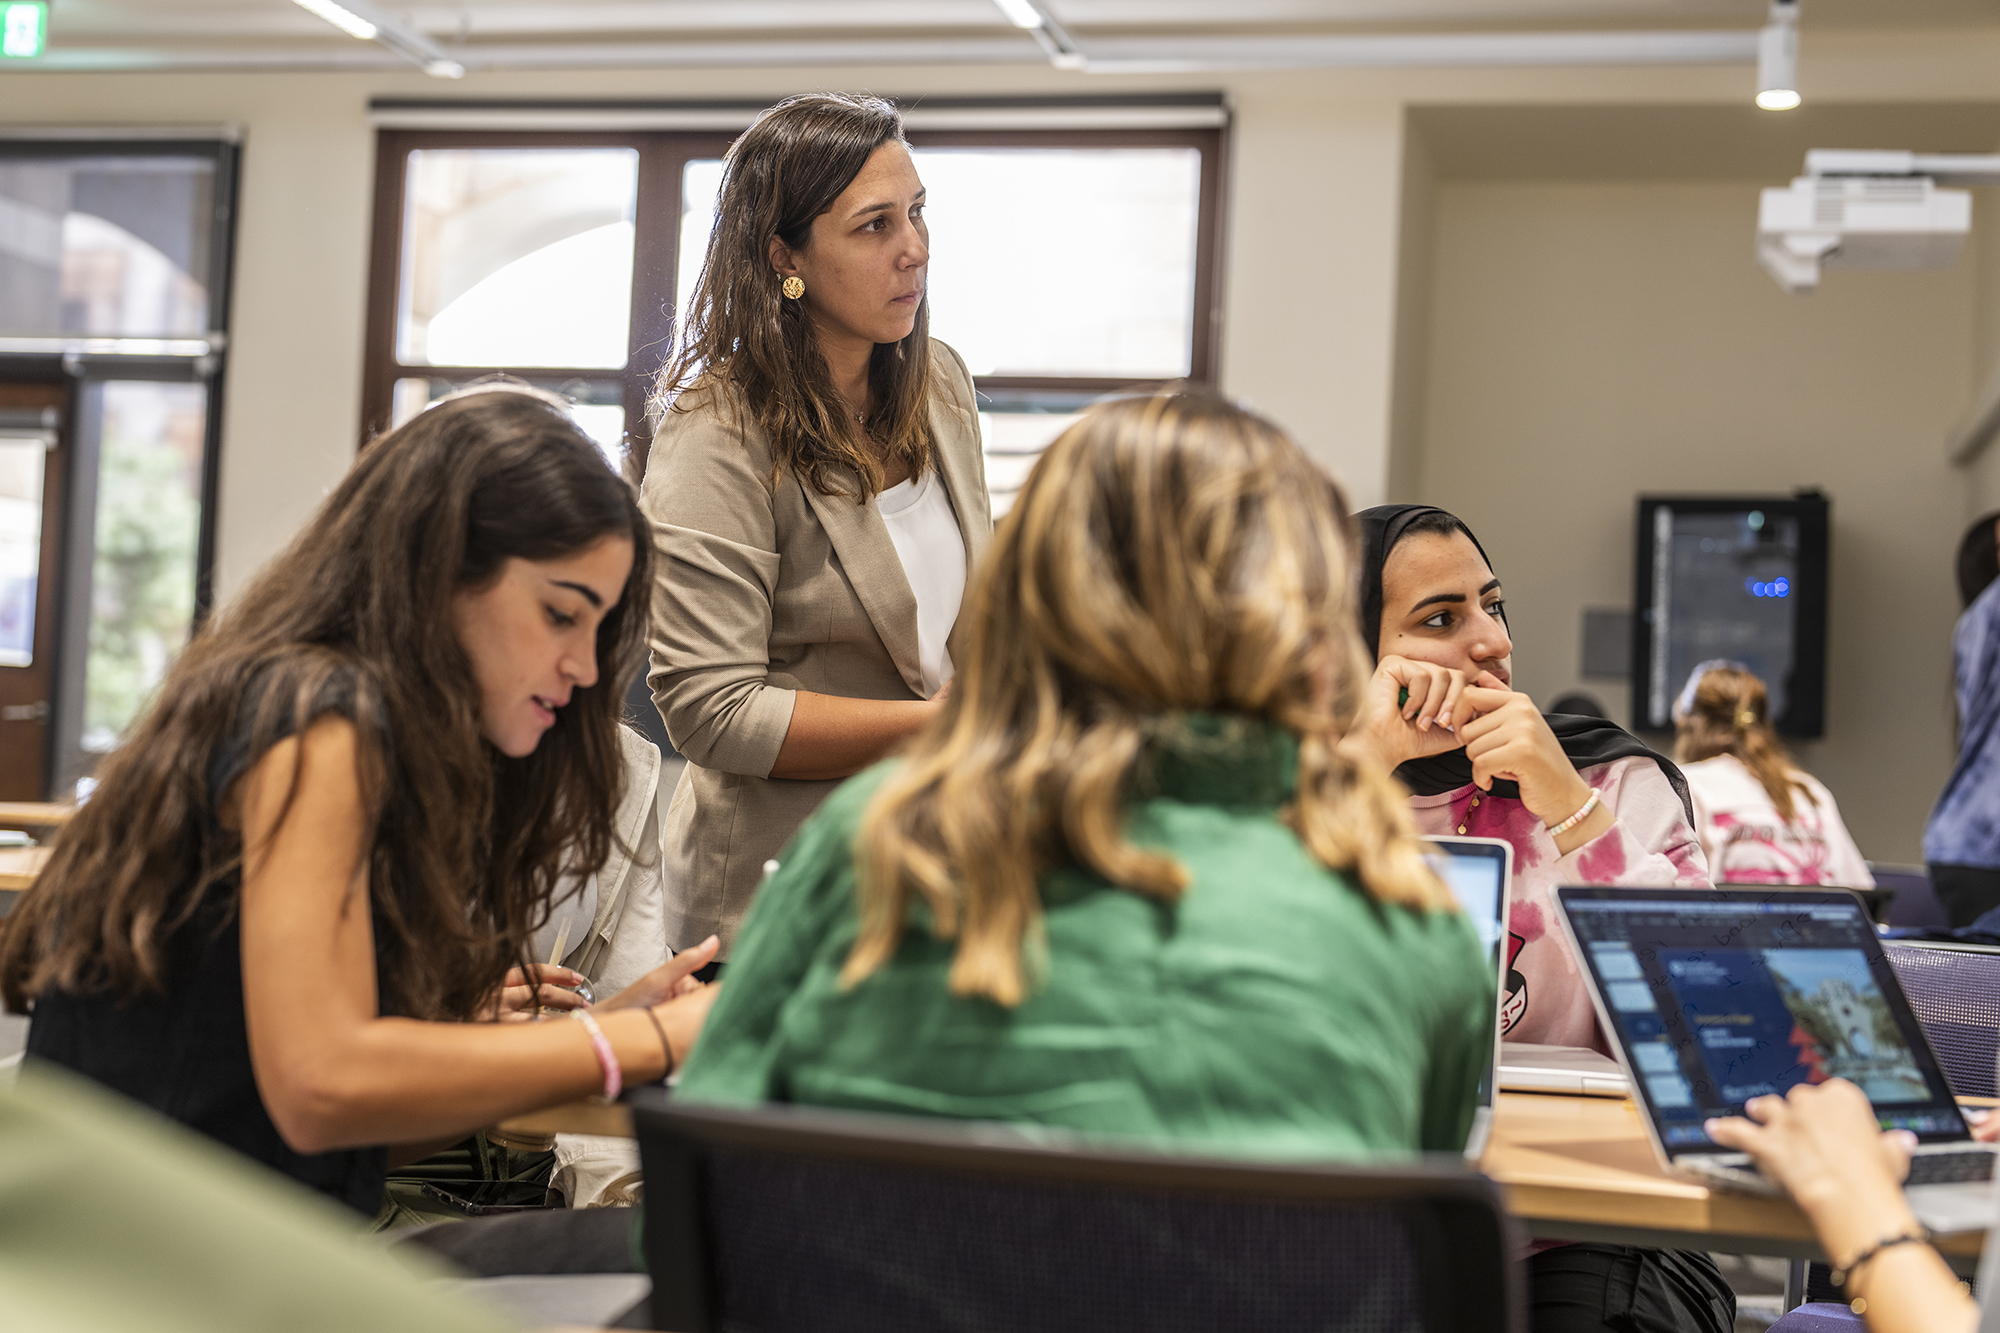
1935	1168
1949	1168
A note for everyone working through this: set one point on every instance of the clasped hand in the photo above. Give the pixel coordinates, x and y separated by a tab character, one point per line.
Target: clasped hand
1502	732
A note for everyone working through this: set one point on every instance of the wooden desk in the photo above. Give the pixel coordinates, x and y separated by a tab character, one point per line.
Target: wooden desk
1569	1168
1581	1168
20	865
574	1118
34	814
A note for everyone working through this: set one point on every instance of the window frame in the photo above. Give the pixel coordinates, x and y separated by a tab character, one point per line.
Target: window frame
655	255
83	362
1207	313
663	157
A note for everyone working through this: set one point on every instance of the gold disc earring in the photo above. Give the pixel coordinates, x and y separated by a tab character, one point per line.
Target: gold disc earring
793	287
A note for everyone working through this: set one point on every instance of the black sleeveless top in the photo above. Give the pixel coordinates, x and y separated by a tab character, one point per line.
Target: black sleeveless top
185	1052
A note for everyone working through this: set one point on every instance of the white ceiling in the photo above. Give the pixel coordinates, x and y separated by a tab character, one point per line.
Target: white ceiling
112	34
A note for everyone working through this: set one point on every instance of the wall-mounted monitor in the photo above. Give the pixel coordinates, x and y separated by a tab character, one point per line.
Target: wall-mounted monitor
1743	579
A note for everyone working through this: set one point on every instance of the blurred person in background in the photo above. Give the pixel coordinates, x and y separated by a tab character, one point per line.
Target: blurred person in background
1761	818
1962	840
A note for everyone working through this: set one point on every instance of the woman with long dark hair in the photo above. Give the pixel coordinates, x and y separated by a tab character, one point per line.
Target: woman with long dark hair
345	811
817	494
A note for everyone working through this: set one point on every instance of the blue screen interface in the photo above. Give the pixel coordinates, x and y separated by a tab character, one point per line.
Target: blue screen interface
1719	1002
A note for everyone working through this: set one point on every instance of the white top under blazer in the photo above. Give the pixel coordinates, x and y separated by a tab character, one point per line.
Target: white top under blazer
924	528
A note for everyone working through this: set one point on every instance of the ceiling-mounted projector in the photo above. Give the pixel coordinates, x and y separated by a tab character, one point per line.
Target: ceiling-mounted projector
1860	209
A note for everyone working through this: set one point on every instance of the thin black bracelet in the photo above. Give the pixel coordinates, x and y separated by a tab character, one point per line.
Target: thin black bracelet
1918	1237
654	1020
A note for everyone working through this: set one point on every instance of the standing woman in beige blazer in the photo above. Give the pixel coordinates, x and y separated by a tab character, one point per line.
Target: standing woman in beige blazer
817	495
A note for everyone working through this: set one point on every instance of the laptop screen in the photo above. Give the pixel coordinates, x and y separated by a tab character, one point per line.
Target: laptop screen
1718	997
1475	870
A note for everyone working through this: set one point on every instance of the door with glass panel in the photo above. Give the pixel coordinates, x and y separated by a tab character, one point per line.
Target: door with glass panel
31	505
114	297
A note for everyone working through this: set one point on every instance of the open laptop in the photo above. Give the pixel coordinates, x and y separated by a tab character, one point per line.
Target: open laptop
1477	871
1712	997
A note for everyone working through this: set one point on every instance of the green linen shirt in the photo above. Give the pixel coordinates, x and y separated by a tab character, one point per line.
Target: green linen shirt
1275	1010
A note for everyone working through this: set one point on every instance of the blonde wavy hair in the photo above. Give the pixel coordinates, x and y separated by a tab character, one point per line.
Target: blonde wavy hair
1168	554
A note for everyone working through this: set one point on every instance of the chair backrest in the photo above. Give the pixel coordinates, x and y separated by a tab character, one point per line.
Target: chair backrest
1955	991
783	1218
1915	905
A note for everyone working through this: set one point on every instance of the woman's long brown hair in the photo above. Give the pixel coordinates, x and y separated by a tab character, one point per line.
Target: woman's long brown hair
465	844
745	341
1730	715
1168	554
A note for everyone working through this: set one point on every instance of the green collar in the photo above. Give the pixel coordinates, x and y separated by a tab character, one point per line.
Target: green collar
1218	759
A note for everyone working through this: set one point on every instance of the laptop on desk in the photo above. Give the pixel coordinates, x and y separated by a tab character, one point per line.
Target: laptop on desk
1713	997
1526	1066
1478	871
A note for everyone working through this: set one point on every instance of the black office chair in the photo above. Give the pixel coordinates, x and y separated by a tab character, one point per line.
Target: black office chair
780	1219
1955	991
1915	903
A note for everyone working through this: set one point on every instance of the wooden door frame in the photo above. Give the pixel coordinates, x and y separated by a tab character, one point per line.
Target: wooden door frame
52	572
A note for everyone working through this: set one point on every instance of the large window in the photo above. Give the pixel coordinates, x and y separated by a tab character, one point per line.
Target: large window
114	258
1067	264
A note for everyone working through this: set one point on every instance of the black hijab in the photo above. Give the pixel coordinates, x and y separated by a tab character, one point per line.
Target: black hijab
1587	741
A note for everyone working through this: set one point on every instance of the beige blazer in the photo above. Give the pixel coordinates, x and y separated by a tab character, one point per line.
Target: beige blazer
764	587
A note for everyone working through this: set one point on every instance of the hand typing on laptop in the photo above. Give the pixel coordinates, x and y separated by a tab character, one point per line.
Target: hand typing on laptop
1822	1142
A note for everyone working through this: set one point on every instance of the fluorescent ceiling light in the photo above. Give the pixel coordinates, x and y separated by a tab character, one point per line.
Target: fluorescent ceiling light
1020	13
344	19
1778	58
361	18
1050	35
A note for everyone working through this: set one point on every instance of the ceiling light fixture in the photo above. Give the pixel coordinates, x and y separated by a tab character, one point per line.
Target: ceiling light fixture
1033	17
1777	58
1020	13
357	18
346	20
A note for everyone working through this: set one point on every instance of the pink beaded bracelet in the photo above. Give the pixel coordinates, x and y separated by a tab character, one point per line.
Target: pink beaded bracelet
1567	824
614	1078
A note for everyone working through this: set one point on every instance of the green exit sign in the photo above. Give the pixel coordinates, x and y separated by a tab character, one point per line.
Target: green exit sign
24	28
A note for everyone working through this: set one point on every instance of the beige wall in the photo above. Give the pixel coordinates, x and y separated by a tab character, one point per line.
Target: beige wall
1591	341
1309	284
1492	318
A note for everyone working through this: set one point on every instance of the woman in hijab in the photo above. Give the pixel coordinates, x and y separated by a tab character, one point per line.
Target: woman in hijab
1581	802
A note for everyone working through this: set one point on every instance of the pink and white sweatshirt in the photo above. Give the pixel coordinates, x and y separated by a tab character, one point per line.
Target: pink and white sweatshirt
1748	842
1649	845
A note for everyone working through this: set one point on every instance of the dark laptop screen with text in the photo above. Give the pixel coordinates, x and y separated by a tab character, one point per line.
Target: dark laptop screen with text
1725	997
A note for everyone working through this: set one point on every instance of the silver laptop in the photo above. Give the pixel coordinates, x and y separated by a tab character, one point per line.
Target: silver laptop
1712	997
1478	871
1527	1066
